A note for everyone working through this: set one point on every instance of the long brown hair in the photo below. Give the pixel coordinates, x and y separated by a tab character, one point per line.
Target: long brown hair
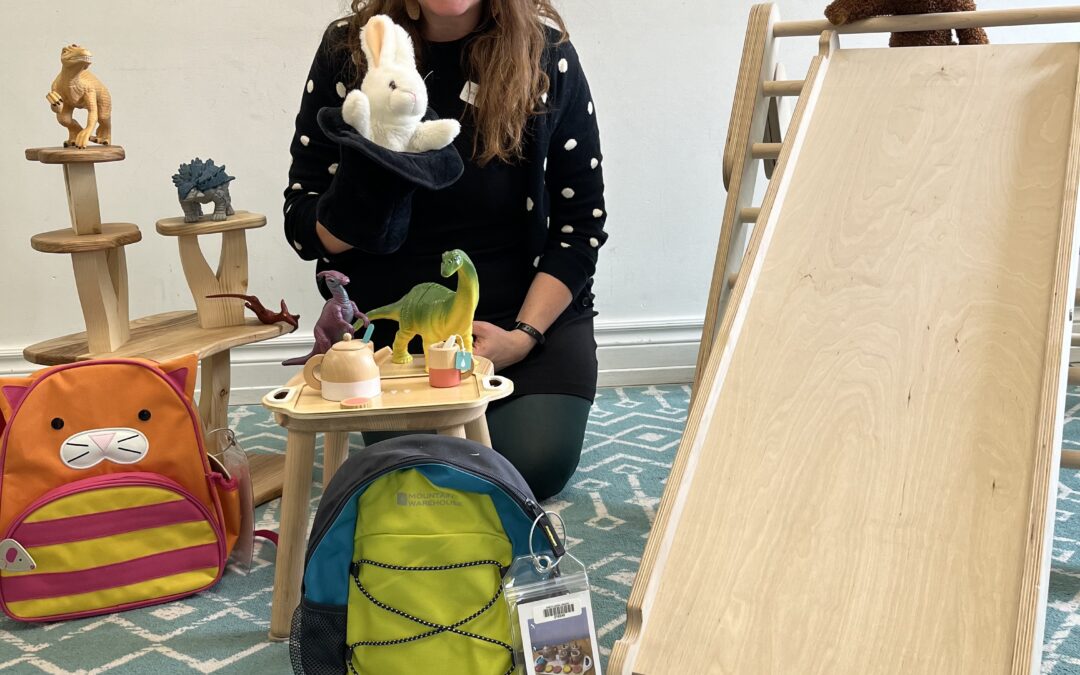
504	54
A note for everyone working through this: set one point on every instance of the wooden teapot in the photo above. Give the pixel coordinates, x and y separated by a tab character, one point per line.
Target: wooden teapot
349	369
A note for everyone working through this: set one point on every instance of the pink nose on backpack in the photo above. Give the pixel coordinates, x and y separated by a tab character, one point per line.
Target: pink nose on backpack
103	440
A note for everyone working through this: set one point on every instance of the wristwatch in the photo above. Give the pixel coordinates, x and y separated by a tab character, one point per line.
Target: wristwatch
530	331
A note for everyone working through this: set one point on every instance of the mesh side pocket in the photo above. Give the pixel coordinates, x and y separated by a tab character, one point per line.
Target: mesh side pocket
317	639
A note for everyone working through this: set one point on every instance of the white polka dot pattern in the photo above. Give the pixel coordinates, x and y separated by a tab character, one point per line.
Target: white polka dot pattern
567	229
333	169
596	213
528	204
570	144
297	246
536	261
563	65
340	88
304	140
593	163
564	244
594	242
296	186
590	108
310	86
543	97
567	192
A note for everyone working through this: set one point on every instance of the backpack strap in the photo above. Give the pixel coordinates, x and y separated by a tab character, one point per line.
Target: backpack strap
268	535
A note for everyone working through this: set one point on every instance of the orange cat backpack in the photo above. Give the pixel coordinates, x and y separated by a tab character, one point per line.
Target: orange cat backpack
108	499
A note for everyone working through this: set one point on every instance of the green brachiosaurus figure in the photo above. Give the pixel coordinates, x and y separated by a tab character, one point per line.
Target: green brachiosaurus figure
434	311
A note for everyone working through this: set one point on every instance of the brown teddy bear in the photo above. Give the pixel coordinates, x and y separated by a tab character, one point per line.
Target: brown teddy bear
840	12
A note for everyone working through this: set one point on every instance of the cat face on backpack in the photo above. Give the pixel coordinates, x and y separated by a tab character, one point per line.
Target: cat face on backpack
96	418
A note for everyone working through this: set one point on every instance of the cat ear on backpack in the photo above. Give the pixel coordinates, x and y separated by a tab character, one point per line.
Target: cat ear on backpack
181	371
12	391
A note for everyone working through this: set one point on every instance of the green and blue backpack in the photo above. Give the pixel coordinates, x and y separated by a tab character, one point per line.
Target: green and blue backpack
406	558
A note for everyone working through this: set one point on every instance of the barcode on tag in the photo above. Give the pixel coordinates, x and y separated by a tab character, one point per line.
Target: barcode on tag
558	611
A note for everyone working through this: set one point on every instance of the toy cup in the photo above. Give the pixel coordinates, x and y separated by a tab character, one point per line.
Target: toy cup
448	362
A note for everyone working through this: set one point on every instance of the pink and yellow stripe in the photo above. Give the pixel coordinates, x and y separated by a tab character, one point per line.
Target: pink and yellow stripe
111	547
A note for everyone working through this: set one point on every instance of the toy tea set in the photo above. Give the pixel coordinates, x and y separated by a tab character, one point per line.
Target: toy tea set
347	374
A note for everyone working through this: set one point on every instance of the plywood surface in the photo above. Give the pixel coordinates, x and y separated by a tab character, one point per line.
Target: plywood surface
868	493
62	155
241	220
160	337
112	235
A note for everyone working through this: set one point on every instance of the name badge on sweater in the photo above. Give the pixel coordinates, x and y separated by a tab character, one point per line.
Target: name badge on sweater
468	92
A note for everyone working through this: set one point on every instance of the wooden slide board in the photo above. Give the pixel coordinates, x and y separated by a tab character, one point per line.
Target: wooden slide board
867	473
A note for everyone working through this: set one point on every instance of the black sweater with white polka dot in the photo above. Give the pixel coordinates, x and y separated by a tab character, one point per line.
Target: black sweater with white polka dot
543	213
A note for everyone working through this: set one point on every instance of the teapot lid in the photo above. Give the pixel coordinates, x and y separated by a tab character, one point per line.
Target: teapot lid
348	344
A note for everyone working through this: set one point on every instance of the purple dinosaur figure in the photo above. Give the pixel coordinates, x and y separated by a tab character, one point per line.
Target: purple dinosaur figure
337	317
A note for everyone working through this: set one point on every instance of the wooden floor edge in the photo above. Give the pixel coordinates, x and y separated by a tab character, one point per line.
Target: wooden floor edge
1027	644
702	405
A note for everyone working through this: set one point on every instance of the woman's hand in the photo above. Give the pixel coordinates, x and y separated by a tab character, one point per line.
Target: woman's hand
332	244
503	347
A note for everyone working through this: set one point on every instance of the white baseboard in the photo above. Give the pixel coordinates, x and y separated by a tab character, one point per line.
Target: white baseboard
630	353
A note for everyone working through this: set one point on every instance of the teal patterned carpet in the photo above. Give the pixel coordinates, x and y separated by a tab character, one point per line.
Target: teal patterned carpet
609	506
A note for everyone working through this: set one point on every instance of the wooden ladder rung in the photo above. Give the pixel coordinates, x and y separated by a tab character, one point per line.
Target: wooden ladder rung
765	150
783	87
749	214
1070	459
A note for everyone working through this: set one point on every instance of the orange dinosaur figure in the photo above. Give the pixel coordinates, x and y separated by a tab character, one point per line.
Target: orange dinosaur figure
76	87
846	11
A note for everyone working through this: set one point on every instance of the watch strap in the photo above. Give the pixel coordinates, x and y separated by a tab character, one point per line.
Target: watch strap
530	331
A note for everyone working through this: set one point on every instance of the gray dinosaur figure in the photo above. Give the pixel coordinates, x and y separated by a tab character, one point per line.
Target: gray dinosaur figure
337	317
197	183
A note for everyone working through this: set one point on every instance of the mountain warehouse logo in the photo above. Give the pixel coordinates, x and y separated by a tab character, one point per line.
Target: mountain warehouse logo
427	499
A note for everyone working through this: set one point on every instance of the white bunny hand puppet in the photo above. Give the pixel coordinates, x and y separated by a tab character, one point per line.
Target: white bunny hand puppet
389	107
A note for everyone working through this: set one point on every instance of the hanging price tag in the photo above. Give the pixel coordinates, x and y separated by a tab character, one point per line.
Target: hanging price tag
552	615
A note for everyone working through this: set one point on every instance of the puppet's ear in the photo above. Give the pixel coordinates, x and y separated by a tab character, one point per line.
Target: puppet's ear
371	40
12	391
181	371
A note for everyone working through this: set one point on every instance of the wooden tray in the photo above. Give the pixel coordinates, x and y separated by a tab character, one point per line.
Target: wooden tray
404	388
866	482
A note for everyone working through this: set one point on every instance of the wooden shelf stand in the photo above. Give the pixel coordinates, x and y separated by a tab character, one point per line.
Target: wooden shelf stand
97	253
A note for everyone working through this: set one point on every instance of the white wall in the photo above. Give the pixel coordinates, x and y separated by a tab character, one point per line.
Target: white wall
223	79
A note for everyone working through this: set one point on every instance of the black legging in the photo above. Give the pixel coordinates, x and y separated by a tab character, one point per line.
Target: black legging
541	435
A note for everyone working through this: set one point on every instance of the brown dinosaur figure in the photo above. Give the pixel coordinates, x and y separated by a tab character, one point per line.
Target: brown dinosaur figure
263	314
76	87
